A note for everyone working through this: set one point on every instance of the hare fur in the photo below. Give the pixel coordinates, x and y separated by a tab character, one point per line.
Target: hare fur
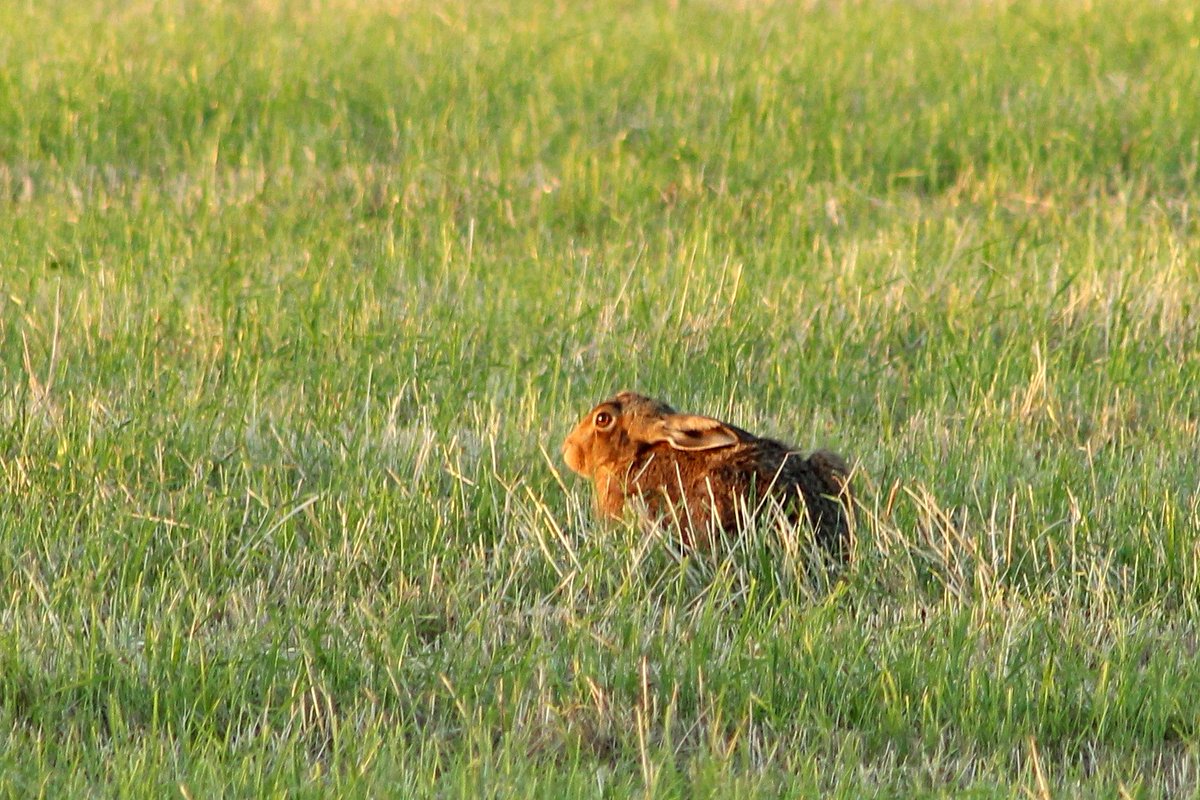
707	475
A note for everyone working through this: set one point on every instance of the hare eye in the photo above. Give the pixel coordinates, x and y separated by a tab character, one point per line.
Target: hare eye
603	420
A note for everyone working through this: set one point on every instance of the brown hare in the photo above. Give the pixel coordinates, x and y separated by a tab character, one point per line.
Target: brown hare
706	475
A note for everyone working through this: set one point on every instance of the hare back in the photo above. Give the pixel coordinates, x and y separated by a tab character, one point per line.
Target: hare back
720	489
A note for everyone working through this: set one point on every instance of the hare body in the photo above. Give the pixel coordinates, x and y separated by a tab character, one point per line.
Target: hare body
706	475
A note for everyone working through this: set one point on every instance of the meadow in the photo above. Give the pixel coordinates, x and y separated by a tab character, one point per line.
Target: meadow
298	299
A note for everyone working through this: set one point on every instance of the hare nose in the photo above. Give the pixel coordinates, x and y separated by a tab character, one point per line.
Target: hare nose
573	456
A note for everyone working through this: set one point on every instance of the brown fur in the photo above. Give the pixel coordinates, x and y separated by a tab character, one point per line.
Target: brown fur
705	474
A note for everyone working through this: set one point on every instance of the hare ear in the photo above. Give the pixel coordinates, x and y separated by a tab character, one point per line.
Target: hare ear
690	432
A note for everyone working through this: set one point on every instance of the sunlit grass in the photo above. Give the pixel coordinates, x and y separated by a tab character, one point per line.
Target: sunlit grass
297	301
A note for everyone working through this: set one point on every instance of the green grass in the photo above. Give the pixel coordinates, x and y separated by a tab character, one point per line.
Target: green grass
297	301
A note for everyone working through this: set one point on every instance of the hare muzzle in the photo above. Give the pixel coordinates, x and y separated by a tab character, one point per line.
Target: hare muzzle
573	452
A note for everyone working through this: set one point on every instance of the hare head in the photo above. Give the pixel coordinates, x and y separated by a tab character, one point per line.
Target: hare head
615	433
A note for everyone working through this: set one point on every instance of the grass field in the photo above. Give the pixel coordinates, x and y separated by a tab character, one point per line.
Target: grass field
298	299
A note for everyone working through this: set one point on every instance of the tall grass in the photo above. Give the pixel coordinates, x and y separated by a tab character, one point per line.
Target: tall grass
297	301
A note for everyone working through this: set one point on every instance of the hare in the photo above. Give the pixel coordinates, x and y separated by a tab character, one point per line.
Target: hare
706	475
